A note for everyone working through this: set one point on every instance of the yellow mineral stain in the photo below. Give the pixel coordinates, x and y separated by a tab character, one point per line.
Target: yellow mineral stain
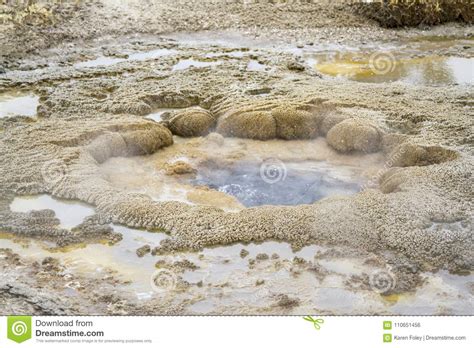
392	298
364	68
24	243
345	66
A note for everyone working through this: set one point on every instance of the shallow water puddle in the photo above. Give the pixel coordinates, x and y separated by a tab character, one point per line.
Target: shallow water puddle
220	264
188	63
100	61
443	293
424	60
215	264
254	65
347	267
256	184
222	270
429	70
224	276
157	114
339	299
139	56
83	259
69	213
18	103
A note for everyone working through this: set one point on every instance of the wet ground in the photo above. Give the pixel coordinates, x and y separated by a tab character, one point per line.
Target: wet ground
420	61
53	108
223	279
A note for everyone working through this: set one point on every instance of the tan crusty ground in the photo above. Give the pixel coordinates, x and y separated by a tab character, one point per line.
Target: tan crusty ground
77	132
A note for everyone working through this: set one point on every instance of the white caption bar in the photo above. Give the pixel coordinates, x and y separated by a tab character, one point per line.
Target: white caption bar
239	331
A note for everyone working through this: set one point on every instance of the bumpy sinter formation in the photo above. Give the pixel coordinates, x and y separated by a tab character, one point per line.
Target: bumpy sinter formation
83	123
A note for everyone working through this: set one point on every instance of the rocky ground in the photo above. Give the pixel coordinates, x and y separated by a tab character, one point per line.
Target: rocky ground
87	20
416	217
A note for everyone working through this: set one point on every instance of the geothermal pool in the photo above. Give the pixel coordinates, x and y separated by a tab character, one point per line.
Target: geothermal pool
230	174
243	173
276	183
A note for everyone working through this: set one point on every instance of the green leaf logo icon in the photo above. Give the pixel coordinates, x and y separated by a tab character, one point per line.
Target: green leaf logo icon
19	328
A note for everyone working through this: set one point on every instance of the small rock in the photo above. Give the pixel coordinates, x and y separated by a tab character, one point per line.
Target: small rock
285	301
160	263
299	260
179	168
243	253
51	264
142	251
295	66
185	265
